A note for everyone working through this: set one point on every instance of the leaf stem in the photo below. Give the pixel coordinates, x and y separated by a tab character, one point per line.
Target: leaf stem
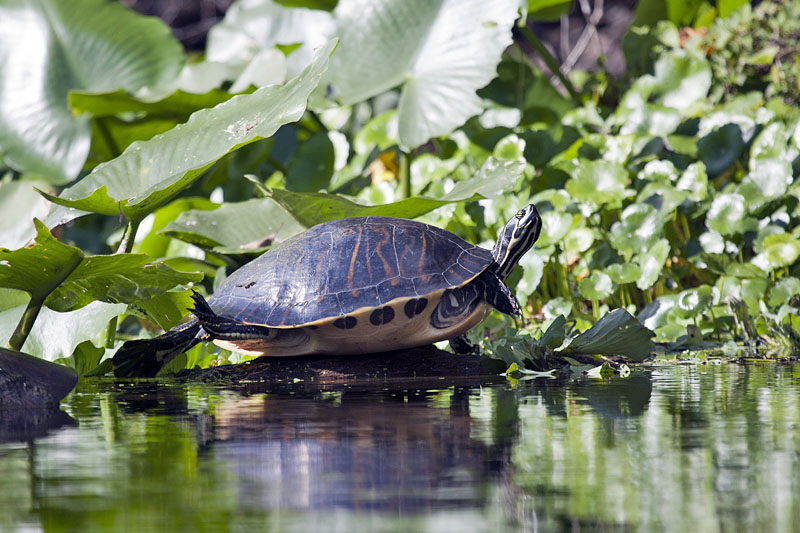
549	60
23	329
129	237
404	174
105	133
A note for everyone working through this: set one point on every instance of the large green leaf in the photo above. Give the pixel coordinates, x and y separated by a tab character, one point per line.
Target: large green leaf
617	333
50	47
70	280
440	52
56	335
150	173
235	227
491	181
121	278
599	182
19	203
179	103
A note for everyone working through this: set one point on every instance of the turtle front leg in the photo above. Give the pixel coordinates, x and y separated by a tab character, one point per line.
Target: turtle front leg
498	295
463	346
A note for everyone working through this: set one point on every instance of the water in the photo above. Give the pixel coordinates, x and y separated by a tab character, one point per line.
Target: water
673	448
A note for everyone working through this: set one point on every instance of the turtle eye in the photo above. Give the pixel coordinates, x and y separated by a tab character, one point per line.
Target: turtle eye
520	213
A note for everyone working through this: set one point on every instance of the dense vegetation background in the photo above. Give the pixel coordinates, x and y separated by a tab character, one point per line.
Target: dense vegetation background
141	171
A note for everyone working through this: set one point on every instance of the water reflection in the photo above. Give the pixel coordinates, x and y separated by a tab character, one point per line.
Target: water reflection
668	449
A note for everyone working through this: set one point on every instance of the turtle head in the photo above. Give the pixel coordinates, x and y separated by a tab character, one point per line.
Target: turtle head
516	238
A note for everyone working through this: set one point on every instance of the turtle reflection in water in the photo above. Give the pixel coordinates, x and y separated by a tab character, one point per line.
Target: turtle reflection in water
356	285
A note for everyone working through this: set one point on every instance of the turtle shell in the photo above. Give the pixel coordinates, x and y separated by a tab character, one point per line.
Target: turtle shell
345	266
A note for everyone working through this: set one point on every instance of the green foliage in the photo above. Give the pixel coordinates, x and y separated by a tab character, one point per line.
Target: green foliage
669	195
51	47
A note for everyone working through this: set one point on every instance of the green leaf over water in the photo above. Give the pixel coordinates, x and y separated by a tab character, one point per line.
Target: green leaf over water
616	333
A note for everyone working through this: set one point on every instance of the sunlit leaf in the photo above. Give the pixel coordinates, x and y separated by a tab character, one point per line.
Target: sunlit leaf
616	333
624	272
598	182
555	226
727	214
598	286
440	52
682	78
38	269
781	249
310	209
150	173
693	302
783	291
651	263
51	47
20	204
121	278
112	103
55	335
641	225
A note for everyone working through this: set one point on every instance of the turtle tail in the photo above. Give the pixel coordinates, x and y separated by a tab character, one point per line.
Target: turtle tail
145	357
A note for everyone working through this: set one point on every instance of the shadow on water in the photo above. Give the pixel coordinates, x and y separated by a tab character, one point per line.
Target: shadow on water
665	449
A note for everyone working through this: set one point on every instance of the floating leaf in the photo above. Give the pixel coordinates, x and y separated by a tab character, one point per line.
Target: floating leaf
445	52
150	173
616	333
50	47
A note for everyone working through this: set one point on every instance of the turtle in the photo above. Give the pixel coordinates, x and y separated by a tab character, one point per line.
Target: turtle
350	286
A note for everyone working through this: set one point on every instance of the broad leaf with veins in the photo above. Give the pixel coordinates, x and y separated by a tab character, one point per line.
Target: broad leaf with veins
440	52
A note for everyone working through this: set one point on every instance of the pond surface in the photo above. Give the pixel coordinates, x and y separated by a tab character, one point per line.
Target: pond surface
672	448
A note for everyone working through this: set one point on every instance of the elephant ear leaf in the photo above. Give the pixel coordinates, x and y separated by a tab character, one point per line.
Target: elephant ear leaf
150	173
51	47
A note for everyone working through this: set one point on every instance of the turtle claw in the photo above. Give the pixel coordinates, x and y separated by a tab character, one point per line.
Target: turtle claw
463	346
